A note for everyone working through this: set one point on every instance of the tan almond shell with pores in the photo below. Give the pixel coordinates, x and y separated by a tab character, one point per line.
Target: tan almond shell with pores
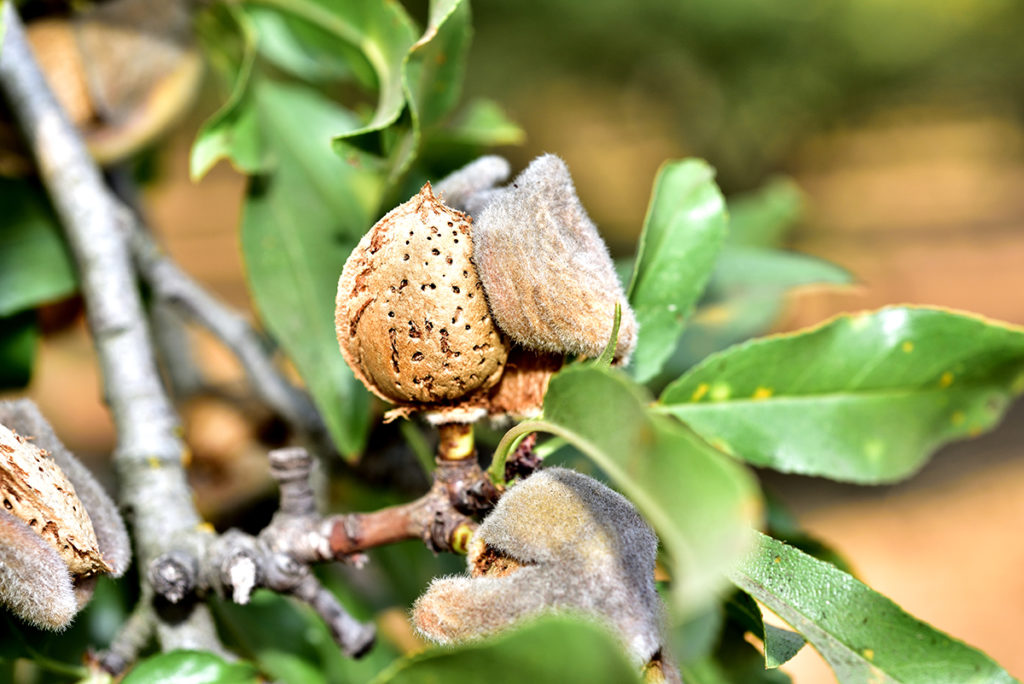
411	318
35	490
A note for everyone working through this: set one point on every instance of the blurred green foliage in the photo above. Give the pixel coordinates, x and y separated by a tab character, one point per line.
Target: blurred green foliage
335	111
746	81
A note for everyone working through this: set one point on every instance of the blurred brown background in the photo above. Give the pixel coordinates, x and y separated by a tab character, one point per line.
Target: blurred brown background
901	122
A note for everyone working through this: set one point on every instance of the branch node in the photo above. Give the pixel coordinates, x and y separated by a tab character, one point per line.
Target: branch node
174	574
291	468
241	578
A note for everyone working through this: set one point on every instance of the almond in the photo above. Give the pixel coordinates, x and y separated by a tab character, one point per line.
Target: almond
411	318
34	489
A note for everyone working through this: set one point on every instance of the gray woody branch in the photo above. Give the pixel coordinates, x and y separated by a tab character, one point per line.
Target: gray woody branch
279	558
178	289
149	450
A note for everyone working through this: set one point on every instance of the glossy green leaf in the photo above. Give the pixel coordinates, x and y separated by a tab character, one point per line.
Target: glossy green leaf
194	667
35	267
781	524
553	649
232	131
683	231
864	636
299	225
19	335
698	501
863	398
763	217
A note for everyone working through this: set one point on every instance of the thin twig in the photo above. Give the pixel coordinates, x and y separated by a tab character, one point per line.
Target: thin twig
172	285
149	451
280	557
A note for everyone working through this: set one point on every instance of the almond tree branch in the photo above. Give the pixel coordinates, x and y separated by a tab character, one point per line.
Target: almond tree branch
279	558
177	288
149	450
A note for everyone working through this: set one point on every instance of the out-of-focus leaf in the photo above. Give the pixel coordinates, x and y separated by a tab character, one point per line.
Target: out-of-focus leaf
683	231
763	217
288	668
305	50
436	64
552	649
482	123
194	667
864	636
758	268
232	131
694	638
19	335
698	501
719	325
299	225
746	297
286	638
34	264
863	398
735	661
382	31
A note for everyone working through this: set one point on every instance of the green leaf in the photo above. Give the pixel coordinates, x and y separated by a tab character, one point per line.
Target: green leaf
231	132
430	70
288	668
299	225
194	667
780	645
305	50
718	325
744	298
19	335
35	267
436	64
552	649
698	501
863	398
763	217
745	269
864	636
482	123
683	231
288	640
735	661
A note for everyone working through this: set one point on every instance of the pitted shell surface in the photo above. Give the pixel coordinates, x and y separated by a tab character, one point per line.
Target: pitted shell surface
411	317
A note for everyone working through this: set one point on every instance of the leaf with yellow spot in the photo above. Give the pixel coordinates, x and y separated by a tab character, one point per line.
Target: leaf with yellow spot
862	635
863	398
